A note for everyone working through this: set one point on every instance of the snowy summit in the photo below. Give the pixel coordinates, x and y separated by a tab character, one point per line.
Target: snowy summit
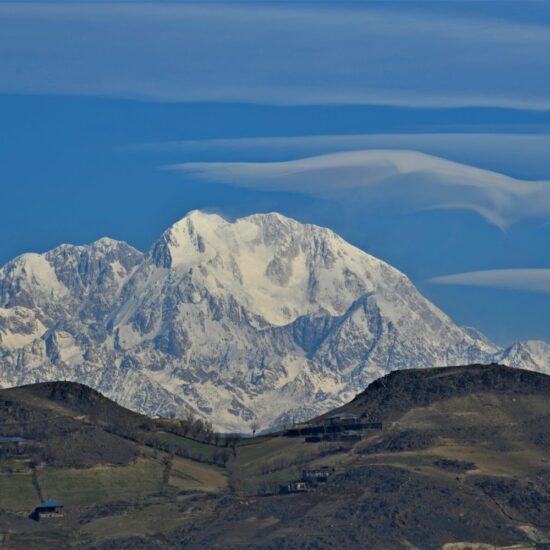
261	319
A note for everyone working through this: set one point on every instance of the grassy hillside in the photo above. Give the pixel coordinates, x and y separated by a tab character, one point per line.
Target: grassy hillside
462	459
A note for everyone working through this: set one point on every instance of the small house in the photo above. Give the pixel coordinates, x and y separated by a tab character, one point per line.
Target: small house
48	509
293	487
342	420
373	426
11	439
320	475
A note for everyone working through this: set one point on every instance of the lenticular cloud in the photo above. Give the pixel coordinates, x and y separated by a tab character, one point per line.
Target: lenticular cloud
406	180
534	280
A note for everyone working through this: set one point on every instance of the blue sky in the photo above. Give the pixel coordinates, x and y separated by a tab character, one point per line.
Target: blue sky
118	118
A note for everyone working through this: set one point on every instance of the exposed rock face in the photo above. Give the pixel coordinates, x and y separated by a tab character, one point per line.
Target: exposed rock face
263	318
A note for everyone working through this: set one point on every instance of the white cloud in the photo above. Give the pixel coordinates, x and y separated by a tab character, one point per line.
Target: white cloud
401	180
287	53
347	142
533	280
525	154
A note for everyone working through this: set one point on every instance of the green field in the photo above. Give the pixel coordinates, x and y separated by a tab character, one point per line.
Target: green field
188	447
17	493
136	521
102	484
190	475
92	486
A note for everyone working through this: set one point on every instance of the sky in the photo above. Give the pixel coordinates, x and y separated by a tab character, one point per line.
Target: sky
419	131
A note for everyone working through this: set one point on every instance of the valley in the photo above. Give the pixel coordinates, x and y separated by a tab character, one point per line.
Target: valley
462	456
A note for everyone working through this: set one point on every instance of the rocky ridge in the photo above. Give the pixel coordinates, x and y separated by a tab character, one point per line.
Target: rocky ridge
260	319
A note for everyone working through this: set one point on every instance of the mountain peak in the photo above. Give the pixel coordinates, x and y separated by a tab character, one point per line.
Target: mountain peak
200	219
276	267
107	242
187	237
271	217
201	216
183	240
532	354
257	318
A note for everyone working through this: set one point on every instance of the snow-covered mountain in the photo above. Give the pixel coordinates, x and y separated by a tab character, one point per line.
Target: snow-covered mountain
532	355
263	318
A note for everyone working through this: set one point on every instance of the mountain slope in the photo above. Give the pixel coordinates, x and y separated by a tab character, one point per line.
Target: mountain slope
532	354
260	319
460	461
388	398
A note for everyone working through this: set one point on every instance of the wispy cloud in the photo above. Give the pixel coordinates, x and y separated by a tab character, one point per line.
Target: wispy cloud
533	280
525	155
401	180
348	142
287	53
